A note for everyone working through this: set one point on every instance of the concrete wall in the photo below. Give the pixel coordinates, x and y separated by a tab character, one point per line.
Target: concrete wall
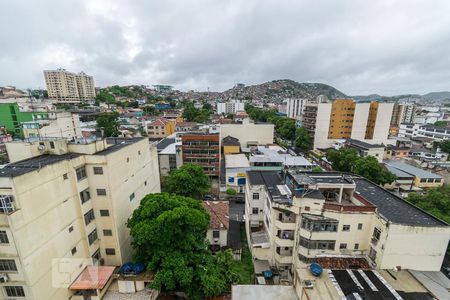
360	121
260	133
322	125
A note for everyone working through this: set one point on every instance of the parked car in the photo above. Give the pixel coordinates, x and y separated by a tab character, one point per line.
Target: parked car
209	197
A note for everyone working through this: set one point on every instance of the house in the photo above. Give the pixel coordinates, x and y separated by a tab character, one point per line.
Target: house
423	179
185	126
236	167
231	145
217	234
274	157
169	155
160	128
366	149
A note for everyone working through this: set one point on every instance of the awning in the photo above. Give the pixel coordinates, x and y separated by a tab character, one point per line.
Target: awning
93	278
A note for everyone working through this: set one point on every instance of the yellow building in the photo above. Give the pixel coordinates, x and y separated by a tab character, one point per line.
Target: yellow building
64	206
161	128
65	86
231	145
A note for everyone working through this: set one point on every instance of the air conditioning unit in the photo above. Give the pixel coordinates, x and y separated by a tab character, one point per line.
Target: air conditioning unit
3	278
308	284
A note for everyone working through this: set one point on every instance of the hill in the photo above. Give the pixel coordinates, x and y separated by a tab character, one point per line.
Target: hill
437	96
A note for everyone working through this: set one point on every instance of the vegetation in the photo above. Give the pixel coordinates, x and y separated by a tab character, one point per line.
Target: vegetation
245	267
169	235
347	160
441	123
445	146
108	123
189	181
302	139
317	169
435	201
231	192
191	114
105	97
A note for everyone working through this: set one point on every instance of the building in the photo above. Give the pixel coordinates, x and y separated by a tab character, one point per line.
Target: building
231	145
410	130
185	126
169	155
422	178
230	107
249	134
276	158
61	124
403	113
296	218
344	118
217	233
163	88
68	87
294	107
64	206
365	149
236	167
160	128
11	117
204	149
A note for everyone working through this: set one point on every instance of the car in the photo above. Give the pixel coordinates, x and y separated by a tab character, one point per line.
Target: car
209	198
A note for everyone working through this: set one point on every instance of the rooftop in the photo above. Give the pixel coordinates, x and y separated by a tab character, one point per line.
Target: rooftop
273	181
263	292
236	161
117	143
93	278
363	145
277	154
397	172
230	141
164	143
418	172
219	214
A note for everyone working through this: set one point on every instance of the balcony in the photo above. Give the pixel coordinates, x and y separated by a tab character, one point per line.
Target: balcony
285	225
283	255
285	238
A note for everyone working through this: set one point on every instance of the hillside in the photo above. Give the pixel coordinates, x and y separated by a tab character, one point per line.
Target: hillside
437	96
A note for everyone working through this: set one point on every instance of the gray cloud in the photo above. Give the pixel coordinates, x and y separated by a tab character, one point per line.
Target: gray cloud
386	46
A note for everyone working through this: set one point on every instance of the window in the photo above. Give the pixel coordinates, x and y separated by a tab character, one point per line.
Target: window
3	237
89	217
98	170
128	159
8	265
74	250
101	192
346	228
70	228
52	145
14	291
342	246
255	210
81	173
230	179
85	196
145	183
139	152
104	212
376	234
110	251
107	232
356	247
92	237
65	177
255	196
96	256
216	234
6	203
132	197
360	226
423	180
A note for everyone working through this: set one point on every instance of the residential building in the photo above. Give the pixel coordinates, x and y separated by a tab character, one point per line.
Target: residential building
5	137
62	124
169	155
365	149
185	126
160	128
249	134
163	88
68	87
231	145
410	130
403	183
294	107
392	151
296	218
217	233
204	149
236	167
64	206
11	117
230	107
422	178
344	118
276	158
402	113
240	116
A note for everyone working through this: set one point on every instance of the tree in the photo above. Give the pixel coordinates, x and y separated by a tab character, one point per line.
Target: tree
317	169
231	192
441	123
207	106
342	159
189	180
370	168
445	146
108	122
435	201
285	127
169	235
105	97
302	139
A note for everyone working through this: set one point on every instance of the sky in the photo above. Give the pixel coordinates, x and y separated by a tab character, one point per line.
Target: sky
360	47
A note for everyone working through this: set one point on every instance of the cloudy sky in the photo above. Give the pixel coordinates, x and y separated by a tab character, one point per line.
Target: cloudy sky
360	47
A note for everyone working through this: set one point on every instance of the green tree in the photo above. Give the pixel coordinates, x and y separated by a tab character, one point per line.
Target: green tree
231	192
108	122
441	123
285	127
342	159
105	97
435	201
169	235
370	168
445	146
189	180
317	169
302	139
207	106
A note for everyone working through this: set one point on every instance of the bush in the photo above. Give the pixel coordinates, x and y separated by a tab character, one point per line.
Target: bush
231	192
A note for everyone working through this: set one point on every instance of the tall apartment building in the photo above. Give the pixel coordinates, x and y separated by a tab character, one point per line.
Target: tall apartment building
230	107
344	118
204	149
402	113
64	206
294	107
296	218
68	87
409	130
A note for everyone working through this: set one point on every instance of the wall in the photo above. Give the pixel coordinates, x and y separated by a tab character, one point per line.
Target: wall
222	237
260	133
231	149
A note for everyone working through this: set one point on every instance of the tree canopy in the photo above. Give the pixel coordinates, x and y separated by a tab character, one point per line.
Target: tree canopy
189	180
445	146
191	114
348	160
435	201
104	96
169	235
302	139
108	122
441	123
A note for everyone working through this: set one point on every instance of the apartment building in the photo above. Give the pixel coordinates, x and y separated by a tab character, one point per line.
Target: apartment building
160	128
295	218
403	113
64	206
344	118
169	155
204	149
67	87
61	124
249	134
294	107
409	130
230	107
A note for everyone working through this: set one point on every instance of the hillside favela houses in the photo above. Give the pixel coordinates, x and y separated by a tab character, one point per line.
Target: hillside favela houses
63	212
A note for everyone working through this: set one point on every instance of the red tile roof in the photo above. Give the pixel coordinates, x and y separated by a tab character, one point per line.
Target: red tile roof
218	212
93	278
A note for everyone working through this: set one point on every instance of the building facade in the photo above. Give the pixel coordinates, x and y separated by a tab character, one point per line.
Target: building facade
345	118
230	107
67	87
403	113
203	149
409	130
160	128
64	206
249	134
294	107
61	124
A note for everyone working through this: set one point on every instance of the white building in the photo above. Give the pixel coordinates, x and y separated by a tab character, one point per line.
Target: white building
61	124
64	206
409	130
217	233
236	167
230	107
249	133
294	107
